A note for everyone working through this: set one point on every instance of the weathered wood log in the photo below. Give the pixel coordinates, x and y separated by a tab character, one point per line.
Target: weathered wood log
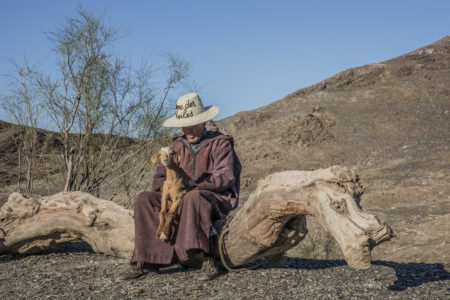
38	223
272	220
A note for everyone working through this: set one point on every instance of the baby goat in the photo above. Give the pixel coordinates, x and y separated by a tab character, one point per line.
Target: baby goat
174	188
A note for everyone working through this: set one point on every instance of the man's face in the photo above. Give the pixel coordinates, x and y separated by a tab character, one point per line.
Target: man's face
194	133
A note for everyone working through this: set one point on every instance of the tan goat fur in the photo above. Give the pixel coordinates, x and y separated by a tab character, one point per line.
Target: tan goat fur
174	188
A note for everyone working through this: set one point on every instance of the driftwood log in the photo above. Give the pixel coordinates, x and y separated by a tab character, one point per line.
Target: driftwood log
272	220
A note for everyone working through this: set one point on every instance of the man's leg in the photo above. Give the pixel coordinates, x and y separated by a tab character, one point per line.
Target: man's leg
197	210
147	247
145	222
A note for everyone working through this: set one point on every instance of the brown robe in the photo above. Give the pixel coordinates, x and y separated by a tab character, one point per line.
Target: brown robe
216	170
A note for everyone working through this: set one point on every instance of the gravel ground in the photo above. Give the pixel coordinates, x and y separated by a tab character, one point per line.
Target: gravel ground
75	272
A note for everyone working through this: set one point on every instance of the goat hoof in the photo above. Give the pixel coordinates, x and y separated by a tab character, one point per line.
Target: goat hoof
163	237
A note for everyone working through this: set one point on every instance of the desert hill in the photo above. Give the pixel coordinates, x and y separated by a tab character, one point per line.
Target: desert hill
389	121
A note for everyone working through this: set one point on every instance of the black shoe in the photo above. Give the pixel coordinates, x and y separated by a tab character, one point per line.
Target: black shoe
152	268
138	270
210	269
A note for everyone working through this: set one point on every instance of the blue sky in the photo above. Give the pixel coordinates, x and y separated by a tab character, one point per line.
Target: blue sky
246	53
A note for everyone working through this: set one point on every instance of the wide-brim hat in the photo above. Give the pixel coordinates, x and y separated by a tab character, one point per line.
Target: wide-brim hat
190	111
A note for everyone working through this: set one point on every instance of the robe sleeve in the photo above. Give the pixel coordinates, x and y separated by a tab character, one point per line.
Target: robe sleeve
159	178
222	176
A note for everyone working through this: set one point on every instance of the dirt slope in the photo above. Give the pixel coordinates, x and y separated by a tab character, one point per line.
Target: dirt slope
390	121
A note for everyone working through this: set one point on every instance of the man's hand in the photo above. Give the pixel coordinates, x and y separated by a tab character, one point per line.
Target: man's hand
192	185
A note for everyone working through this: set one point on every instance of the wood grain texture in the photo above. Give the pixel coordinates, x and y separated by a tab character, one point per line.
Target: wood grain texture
271	221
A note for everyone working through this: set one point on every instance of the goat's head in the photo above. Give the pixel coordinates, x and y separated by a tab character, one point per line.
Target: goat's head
167	156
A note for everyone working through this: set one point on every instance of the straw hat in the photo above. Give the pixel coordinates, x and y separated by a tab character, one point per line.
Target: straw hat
190	111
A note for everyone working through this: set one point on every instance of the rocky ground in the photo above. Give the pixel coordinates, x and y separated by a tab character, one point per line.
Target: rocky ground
75	272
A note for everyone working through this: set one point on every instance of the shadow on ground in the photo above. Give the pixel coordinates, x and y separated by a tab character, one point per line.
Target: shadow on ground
414	274
72	247
408	274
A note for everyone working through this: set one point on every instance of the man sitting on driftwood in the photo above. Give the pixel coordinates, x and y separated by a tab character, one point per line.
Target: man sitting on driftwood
208	158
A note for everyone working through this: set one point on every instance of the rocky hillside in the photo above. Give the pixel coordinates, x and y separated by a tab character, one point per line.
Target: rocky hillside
390	121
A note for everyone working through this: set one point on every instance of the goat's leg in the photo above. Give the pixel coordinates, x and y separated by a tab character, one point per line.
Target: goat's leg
165	229
162	218
162	214
170	216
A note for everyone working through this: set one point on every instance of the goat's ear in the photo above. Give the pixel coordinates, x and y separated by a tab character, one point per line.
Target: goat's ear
155	158
176	158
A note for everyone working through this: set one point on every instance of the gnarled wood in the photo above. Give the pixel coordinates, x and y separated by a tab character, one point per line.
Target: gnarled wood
34	224
272	221
273	218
